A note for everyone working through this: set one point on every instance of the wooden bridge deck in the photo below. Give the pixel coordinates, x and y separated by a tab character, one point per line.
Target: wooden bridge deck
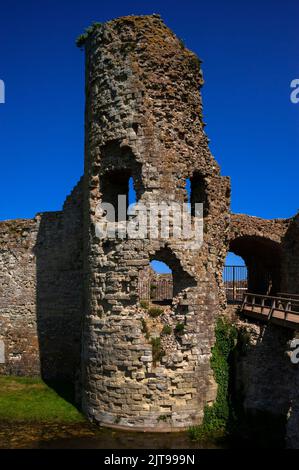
283	311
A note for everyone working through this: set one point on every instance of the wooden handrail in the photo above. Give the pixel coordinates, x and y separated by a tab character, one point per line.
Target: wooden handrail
279	304
296	300
288	296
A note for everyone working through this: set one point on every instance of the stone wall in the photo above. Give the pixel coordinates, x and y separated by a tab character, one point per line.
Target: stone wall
243	225
266	381
154	286
144	120
265	371
18	328
290	259
41	292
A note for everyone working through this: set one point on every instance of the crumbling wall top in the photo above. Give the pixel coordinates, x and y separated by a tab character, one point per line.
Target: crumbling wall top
243	225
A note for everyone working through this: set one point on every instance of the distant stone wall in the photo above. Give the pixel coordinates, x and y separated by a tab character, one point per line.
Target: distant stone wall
18	326
41	292
154	286
243	225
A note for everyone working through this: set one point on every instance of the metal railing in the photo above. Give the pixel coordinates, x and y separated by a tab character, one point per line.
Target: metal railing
235	282
157	290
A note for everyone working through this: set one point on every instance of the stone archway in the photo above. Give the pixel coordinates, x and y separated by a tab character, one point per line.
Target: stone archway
259	243
263	260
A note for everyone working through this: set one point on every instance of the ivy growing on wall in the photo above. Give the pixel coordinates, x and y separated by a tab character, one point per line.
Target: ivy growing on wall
218	417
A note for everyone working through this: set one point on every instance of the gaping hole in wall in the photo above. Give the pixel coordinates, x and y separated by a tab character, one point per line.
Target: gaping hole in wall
181	279
164	278
121	178
196	193
156	283
115	183
262	258
161	283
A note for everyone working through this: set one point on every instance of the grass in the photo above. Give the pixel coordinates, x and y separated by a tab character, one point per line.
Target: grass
145	329
80	41
167	330
180	328
157	350
155	312
144	304
30	399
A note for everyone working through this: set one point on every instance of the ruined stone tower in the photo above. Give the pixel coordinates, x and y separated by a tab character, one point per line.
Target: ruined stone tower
144	121
72	298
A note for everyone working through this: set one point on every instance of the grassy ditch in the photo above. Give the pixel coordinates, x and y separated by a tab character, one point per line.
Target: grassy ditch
25	399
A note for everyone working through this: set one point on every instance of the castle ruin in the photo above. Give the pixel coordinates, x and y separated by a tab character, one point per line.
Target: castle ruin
70	301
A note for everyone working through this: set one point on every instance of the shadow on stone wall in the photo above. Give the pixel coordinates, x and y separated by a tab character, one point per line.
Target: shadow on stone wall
290	261
59	296
263	385
262	257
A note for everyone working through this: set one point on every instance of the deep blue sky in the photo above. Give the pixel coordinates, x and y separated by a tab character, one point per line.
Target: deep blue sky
250	55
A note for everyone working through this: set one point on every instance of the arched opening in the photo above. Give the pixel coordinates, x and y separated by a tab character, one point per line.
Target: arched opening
161	283
156	283
181	279
163	279
121	181
262	258
114	184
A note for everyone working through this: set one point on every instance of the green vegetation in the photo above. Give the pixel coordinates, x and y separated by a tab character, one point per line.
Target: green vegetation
163	418
155	312
167	330
182	43
144	328
144	304
157	350
80	41
195	61
30	399
220	416
179	328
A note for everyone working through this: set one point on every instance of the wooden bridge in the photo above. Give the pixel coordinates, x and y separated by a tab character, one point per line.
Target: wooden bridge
282	310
